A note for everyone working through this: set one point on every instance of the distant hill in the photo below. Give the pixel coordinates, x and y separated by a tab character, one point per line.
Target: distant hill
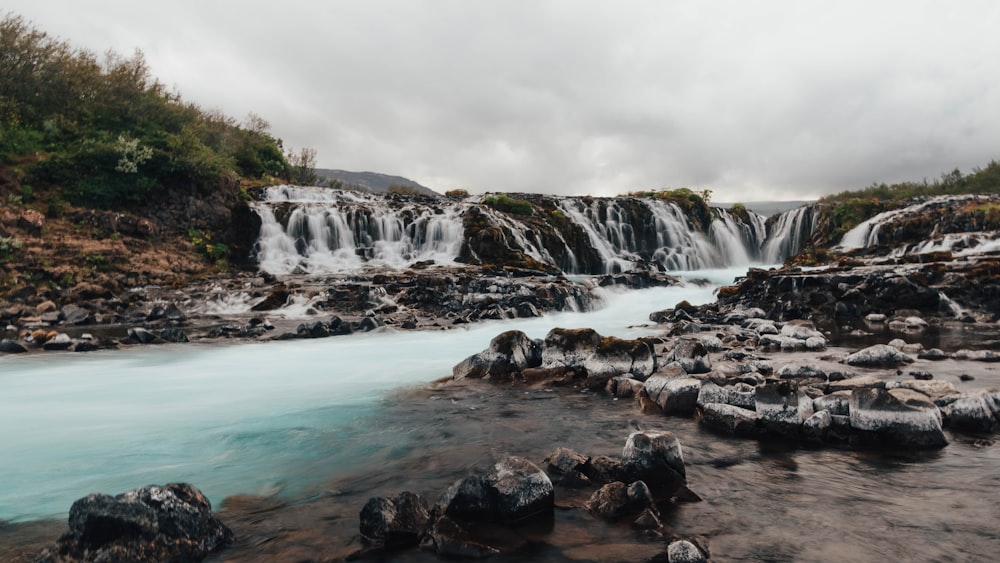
372	181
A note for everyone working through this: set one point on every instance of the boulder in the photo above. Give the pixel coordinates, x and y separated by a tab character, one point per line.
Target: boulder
566	467
692	354
395	522
782	408
655	458
624	387
741	395
674	395
978	355
9	346
617	499
173	335
508	354
800	329
604	469
683	551
879	355
898	417
729	419
173	522
276	299
974	413
934	355
60	341
856	382
838	403
601	358
513	490
140	335
815	428
801	372
75	315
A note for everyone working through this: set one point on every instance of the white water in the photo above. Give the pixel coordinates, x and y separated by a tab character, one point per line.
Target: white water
866	233
257	418
329	231
790	233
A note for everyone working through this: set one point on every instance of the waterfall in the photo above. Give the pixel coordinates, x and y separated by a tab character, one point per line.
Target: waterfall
337	231
866	234
790	233
308	230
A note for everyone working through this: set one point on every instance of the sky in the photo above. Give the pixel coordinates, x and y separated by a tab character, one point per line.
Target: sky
766	100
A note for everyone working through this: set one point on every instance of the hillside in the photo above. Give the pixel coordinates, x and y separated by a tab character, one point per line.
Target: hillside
373	181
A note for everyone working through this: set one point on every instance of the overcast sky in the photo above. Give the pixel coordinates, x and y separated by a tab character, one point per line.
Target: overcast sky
754	100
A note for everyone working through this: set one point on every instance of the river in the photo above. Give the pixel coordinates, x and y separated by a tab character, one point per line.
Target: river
340	419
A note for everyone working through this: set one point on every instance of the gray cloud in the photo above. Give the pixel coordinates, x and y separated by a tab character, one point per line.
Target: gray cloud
772	100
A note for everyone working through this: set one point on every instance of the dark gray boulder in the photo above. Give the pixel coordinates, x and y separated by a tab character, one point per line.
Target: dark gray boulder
508	354
655	457
782	407
729	419
740	395
979	412
513	490
173	522
397	522
9	346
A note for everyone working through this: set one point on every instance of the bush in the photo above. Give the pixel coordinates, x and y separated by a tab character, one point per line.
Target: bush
508	204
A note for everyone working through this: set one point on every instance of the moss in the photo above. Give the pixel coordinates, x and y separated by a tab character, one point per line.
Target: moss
507	204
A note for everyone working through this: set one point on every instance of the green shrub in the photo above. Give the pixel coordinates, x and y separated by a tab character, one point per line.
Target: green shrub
507	204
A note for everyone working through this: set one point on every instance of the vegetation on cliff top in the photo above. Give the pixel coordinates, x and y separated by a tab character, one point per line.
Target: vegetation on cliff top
104	133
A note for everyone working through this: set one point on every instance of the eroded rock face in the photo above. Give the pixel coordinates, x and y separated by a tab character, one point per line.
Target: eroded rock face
173	522
900	417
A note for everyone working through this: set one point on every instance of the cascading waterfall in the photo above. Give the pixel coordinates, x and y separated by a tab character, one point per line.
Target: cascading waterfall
316	231
866	234
790	233
335	231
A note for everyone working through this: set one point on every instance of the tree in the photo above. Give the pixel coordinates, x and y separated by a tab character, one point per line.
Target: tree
304	167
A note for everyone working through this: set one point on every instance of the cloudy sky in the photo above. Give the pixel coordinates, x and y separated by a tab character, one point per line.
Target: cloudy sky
754	100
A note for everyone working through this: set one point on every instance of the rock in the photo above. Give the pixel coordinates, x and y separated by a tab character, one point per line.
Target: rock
898	417
815	428
513	490
974	413
934	355
142	336
674	395
624	387
816	343
566	467
31	220
521	489
173	335
782	407
837	403
712	343
935	389
977	355
508	354
875	318
610	501
600	358
801	372
452	540
8	346
729	418
75	315
396	522
922	375
60	341
655	458
85	346
800	329
692	354
856	382
879	355
276	299
604	469
368	324
740	395
683	551
173	522
647	520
